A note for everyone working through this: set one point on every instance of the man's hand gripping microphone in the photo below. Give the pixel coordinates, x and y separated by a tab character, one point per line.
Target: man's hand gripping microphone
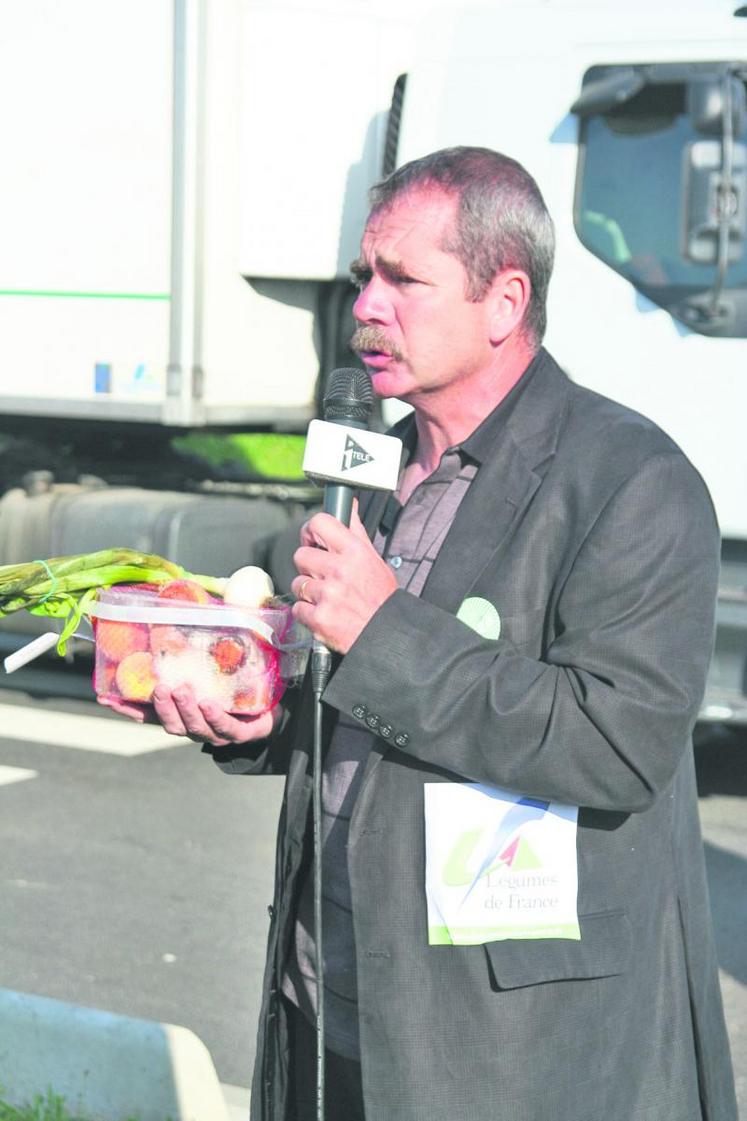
344	455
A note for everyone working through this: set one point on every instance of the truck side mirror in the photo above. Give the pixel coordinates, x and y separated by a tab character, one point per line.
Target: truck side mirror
707	199
715	170
711	101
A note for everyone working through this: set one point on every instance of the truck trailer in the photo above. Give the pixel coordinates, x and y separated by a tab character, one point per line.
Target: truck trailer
184	187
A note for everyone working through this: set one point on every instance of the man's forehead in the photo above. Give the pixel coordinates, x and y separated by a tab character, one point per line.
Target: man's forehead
421	212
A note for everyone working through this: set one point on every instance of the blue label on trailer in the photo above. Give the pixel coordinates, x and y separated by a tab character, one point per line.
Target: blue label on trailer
102	377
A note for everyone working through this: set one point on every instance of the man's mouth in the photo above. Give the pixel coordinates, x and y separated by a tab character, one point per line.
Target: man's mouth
373	346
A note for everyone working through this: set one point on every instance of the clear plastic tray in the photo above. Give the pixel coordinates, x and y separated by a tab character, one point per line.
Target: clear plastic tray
239	657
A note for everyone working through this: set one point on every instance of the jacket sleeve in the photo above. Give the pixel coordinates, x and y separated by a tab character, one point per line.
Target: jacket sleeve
263	757
602	719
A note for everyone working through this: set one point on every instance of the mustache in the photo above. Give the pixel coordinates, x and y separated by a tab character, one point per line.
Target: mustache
374	338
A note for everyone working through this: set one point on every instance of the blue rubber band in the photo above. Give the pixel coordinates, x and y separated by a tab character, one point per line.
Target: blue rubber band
51	576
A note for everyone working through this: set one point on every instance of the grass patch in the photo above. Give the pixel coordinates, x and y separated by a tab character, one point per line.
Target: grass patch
48	1107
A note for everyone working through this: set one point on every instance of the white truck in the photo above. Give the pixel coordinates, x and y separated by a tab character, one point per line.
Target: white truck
184	186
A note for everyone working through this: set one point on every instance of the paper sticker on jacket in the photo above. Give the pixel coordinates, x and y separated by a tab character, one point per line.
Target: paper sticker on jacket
498	865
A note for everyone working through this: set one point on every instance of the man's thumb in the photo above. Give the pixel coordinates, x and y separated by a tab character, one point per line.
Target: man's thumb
356	525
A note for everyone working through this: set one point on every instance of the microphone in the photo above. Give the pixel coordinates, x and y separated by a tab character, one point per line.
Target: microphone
334	452
343	454
338	456
343	459
349	400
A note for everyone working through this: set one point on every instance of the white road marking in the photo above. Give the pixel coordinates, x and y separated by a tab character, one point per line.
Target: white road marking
87	733
15	774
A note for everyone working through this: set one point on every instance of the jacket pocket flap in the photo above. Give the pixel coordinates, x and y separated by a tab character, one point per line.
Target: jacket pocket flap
604	951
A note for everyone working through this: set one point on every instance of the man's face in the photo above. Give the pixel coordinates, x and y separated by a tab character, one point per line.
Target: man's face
418	332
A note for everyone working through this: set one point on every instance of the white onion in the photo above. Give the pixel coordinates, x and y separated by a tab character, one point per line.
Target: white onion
250	586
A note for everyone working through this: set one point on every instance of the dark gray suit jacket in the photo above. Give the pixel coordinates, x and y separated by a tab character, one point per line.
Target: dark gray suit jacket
596	541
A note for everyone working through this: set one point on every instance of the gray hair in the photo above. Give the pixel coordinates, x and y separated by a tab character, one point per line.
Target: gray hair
502	221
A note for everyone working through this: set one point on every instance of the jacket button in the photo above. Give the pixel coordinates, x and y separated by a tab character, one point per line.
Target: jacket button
373	720
402	739
271	910
385	730
359	712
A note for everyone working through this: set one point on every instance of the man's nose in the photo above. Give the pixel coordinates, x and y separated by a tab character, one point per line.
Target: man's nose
373	305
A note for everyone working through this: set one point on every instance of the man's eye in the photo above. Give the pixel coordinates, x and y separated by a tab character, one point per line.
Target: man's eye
359	280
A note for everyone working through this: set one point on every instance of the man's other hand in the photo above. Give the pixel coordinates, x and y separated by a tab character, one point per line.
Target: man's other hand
342	580
181	714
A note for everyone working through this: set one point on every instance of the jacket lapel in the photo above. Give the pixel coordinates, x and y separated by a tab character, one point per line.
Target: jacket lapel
515	454
494	503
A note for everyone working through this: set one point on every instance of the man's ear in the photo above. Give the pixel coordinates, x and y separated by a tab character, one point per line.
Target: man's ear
509	297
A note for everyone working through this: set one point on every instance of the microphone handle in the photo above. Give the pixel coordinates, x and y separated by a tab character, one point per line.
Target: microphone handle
338	501
321	667
338	498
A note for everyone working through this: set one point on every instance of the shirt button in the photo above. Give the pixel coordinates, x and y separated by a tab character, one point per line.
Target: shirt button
372	720
402	739
359	712
395	562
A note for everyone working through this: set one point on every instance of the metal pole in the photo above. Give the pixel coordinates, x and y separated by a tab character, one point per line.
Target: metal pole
182	405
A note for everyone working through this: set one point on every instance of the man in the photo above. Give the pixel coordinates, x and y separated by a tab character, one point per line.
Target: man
523	638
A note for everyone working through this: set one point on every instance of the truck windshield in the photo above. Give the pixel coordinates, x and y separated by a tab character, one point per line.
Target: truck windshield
661	190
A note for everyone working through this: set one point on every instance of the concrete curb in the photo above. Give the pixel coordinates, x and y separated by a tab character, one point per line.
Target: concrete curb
238	1099
105	1066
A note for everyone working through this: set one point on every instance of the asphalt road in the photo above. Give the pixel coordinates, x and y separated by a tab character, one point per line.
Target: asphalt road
136	879
136	883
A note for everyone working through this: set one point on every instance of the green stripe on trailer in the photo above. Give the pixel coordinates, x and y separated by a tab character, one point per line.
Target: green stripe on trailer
61	294
263	455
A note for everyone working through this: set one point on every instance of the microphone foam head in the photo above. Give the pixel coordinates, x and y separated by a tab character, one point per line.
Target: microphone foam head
349	395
